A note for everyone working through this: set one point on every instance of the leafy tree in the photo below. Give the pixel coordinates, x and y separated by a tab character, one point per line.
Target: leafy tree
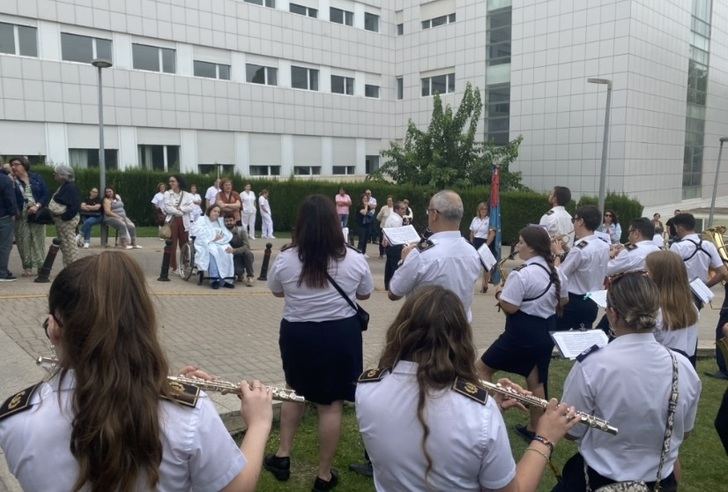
448	154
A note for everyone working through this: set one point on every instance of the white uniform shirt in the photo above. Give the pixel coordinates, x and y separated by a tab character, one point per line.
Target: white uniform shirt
211	195
248	200
394	220
658	240
558	223
682	339
628	383
197	209
480	227
264	206
698	265
197	451
531	281
158	200
631	260
586	265
451	263
303	303
468	441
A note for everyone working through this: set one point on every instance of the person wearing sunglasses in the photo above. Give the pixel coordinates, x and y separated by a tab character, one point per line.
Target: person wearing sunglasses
611	227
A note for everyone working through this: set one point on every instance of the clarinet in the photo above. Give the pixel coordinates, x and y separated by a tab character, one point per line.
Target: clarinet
533	401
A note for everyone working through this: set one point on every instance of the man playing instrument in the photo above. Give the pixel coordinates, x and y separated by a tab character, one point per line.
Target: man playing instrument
631	257
557	220
699	256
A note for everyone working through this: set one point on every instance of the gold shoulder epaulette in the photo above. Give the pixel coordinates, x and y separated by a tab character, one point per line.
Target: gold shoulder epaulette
471	390
184	394
19	402
372	375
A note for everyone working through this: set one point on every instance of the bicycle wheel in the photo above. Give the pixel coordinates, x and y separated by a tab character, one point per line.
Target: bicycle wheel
186	257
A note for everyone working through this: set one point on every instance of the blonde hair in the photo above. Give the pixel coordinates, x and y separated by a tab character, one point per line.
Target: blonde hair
668	271
636	298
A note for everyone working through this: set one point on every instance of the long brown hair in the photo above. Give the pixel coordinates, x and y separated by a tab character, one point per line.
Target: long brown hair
668	271
636	298
319	240
432	330
538	239
109	340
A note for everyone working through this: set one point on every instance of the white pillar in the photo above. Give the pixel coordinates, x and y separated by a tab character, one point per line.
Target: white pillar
128	150
242	153
188	151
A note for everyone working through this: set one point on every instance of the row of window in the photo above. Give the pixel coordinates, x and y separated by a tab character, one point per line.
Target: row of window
437	21
339	16
438	84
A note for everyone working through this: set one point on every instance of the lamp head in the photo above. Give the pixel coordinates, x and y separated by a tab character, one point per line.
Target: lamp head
101	63
599	81
723	139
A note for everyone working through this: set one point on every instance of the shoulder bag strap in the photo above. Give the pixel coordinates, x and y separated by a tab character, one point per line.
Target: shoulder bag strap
339	289
671	405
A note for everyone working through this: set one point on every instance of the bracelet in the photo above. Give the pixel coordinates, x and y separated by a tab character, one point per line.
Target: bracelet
539	452
544	441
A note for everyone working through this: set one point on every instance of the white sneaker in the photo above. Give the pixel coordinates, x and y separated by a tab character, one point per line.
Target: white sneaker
271	237
86	245
128	246
137	246
79	240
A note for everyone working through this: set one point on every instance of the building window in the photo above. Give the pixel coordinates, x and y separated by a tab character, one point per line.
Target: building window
371	90
267	3
153	58
400	29
438	84
304	78
265	170
498	39
498	102
211	70
400	88
216	169
343	170
341	16
372	163
159	157
371	22
342	85
302	10
89	158
84	49
258	74
18	40
307	170
438	21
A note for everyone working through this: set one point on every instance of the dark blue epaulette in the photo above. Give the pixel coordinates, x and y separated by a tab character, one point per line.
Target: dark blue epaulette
586	353
19	402
373	375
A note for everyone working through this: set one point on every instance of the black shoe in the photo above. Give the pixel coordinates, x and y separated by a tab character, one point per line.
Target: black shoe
8	278
279	467
321	485
717	375
523	431
228	285
365	469
215	284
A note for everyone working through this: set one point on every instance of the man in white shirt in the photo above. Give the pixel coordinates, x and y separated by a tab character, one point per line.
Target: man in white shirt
557	220
211	193
393	252
247	198
265	215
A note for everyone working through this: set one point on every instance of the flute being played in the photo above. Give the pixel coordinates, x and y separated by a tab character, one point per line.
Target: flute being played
533	401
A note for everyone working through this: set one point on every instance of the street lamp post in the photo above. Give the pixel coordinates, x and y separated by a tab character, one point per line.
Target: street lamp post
605	142
100	64
722	140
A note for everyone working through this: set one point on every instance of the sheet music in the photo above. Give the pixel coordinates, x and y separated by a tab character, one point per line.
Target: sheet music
486	256
401	235
598	296
572	343
701	290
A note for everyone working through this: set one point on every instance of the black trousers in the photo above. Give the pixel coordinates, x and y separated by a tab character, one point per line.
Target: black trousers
244	262
364	232
721	422
393	255
578	313
723	319
573	478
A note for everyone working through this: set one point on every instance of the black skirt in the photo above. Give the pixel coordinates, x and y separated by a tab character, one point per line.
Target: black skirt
525	344
322	360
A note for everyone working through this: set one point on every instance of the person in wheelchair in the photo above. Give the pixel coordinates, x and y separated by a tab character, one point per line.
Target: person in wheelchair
212	249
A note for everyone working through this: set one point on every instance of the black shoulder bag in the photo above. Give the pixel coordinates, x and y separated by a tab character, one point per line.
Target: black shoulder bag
362	315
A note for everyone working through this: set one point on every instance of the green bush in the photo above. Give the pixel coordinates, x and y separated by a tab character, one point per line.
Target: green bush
626	208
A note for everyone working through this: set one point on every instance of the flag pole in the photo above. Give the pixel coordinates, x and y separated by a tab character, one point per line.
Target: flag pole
495	216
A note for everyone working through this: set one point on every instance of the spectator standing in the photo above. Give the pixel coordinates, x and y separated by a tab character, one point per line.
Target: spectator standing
178	204
671	232
248	199
374	226
197	200
8	211
242	256
409	216
481	233
265	215
343	204
32	195
65	205
229	200
364	219
212	192
158	202
611	227
92	214
382	217
115	216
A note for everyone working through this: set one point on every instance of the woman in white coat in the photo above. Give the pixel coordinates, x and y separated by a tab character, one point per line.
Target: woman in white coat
212	249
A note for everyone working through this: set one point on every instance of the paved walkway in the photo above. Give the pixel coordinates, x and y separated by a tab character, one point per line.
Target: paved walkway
231	333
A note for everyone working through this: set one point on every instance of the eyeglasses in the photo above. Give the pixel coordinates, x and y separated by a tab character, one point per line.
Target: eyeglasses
608	215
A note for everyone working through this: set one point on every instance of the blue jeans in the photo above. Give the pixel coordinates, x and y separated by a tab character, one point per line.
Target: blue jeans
7	232
88	222
344	219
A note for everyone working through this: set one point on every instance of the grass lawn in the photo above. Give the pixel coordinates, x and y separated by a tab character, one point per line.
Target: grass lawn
703	459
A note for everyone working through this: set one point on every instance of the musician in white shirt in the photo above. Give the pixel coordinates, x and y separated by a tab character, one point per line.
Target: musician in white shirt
557	220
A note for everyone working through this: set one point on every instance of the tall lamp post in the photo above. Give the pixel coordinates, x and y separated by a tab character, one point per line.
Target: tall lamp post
100	64
722	140
605	142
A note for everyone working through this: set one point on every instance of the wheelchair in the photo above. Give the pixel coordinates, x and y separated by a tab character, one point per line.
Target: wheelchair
187	262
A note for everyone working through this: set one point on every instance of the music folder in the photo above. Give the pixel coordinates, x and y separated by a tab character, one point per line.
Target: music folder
573	342
401	235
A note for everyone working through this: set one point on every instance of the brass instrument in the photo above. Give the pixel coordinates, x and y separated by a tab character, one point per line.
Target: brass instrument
533	401
217	385
502	261
715	236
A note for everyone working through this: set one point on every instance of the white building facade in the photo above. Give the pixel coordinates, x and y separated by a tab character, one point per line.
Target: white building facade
320	87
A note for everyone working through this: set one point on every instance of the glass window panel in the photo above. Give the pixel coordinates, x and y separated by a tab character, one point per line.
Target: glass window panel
145	57
313	79
299	77
272	76
336	15
451	82
438	21
426	87
497	124
498	138
76	48
349	86
439	84
348	18
499	35
28	41
400	29
337	84
700	41
204	69
701	27
103	49
297	9
7	38
499	19
224	71
426	24
257	2
168	60
371	90
313	13
451	18
371	22
255	73
400	88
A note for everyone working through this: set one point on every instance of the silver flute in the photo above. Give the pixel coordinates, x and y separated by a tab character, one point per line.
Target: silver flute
534	401
216	385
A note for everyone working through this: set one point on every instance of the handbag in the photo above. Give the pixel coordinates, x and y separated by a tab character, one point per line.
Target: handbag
640	485
165	231
42	217
56	208
361	314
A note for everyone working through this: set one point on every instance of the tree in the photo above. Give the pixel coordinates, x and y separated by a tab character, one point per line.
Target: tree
447	154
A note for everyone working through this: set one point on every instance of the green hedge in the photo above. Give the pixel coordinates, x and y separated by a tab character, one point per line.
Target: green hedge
518	208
